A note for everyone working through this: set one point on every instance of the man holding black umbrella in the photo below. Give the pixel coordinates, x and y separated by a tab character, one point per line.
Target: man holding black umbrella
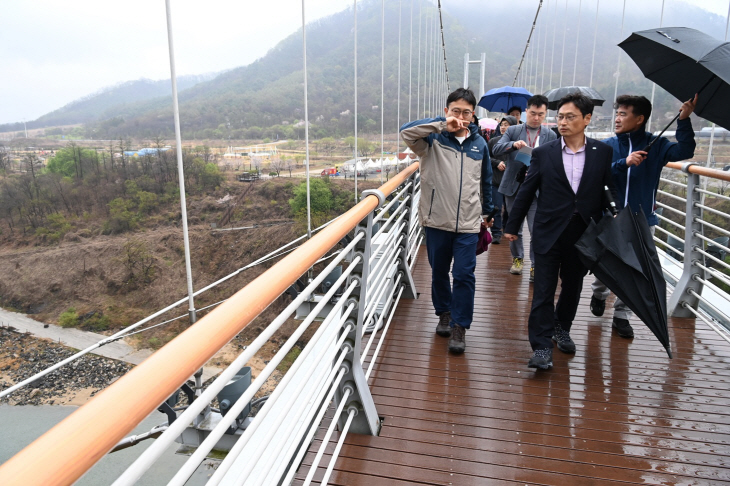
636	176
570	174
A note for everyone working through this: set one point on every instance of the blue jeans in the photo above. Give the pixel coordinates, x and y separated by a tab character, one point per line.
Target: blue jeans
444	247
498	201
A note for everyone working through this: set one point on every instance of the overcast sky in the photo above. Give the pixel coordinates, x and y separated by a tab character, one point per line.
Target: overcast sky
55	52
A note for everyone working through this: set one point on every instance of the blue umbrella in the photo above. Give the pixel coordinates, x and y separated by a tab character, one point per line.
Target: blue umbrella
504	98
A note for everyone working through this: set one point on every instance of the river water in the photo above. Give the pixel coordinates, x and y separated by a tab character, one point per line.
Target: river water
20	425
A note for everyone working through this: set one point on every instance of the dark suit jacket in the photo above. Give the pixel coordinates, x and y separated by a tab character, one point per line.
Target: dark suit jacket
509	185
557	202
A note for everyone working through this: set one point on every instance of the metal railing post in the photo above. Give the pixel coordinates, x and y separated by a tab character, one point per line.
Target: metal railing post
688	281
354	386
407	278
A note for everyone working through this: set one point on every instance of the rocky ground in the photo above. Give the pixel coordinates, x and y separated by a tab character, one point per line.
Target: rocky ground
22	356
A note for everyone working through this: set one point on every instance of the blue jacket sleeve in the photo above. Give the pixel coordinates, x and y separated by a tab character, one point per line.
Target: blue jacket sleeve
684	147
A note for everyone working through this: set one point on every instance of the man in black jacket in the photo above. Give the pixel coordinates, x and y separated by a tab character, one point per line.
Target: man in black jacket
570	174
499	164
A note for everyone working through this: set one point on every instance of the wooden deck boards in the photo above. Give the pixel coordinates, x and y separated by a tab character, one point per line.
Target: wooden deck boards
617	412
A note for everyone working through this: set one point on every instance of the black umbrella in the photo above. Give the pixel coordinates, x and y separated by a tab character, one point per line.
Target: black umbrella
555	95
621	253
685	62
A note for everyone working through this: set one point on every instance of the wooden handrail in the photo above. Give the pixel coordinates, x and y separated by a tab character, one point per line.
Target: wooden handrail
72	447
703	171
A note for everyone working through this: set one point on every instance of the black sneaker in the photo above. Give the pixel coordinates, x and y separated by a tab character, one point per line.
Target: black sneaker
597	306
541	359
623	328
457	343
443	328
496	239
563	340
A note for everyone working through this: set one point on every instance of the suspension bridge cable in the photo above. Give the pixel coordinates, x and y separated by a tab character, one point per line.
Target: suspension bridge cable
382	86
180	171
565	31
653	85
538	33
552	53
418	71
577	40
355	64
536	57
595	37
618	63
397	121
306	122
544	48
410	70
443	47
425	64
519	67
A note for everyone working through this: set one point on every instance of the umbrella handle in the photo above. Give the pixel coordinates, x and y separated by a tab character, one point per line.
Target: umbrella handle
609	200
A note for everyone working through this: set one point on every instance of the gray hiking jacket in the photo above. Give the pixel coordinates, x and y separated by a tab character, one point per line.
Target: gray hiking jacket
456	178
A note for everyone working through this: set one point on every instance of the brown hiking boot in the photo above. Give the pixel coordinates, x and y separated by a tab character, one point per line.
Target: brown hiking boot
457	343
443	328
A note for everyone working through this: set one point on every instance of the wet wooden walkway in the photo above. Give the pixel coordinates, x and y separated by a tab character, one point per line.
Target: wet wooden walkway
617	412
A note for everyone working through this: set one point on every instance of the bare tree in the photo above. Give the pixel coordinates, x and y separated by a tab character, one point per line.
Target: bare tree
4	159
276	165
257	162
289	164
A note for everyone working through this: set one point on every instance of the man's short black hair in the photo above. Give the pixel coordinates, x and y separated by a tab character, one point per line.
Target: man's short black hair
639	105
462	94
515	108
582	102
537	101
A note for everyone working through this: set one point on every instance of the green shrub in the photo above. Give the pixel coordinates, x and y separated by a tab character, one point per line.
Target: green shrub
154	342
97	322
121	216
69	318
320	197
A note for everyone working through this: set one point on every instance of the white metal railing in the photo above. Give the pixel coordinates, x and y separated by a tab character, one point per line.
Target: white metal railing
270	449
689	245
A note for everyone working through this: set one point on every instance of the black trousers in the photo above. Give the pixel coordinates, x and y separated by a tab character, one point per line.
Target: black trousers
561	261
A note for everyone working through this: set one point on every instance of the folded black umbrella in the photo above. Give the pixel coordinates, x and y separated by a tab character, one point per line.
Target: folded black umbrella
621	253
685	62
555	95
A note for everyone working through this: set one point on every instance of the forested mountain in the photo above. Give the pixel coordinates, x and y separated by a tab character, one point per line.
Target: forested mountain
265	98
125	100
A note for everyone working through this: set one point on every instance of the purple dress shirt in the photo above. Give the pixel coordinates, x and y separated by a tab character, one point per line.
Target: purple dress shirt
573	162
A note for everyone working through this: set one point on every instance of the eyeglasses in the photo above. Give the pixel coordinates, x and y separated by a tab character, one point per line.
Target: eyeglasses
570	117
465	113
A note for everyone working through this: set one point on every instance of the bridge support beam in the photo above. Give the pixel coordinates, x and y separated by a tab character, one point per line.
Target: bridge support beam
354	386
682	295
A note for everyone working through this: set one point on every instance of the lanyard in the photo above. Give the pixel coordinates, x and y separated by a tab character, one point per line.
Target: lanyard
530	142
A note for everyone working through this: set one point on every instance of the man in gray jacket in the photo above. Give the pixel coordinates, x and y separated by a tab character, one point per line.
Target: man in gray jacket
530	134
455	170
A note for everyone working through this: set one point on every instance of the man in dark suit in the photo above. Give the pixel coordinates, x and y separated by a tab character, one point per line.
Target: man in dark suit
530	134
570	174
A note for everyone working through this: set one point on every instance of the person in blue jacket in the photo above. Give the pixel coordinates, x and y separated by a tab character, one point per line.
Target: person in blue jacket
636	176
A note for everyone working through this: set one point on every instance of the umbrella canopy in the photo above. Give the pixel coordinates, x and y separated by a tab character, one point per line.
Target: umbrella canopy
554	95
504	98
685	61
621	253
